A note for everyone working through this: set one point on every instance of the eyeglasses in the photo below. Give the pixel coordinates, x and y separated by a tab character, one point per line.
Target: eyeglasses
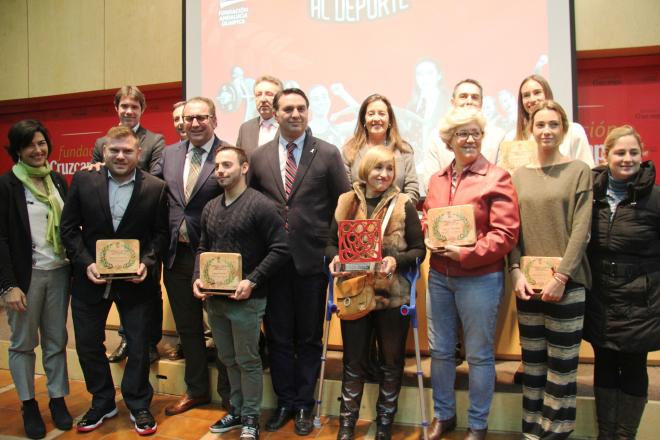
200	118
464	135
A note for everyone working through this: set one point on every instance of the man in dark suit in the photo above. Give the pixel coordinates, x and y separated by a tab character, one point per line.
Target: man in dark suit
188	169
130	104
303	175
119	201
263	128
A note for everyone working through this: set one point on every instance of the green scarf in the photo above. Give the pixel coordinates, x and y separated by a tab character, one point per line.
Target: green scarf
24	173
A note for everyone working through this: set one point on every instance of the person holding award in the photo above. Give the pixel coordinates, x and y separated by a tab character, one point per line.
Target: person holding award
534	89
622	316
377	126
402	244
34	274
555	195
115	222
245	222
466	281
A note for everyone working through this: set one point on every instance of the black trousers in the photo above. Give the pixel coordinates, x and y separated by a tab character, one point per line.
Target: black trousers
621	370
294	323
391	329
89	325
188	317
156	326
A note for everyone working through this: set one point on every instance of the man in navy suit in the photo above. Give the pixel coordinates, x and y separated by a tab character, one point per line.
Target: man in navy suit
303	175
188	169
116	201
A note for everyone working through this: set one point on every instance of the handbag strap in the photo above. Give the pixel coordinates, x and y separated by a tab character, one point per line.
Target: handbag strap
388	214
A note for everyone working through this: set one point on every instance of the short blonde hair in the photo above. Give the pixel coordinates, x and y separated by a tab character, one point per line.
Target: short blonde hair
374	156
618	132
457	117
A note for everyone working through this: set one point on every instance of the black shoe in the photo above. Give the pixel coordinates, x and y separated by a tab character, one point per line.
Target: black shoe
279	419
383	431
250	429
144	422
120	352
229	422
94	418
61	417
303	422
153	354
32	422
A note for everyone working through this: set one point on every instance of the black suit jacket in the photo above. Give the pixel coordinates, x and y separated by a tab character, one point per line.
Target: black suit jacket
86	218
170	169
15	236
152	145
320	180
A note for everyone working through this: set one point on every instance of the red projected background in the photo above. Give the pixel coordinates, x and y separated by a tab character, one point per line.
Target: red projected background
339	52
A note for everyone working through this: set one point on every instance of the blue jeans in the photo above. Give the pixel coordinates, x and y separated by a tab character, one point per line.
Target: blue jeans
475	301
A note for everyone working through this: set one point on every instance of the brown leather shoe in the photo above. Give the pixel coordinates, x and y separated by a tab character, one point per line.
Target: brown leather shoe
475	434
185	403
439	427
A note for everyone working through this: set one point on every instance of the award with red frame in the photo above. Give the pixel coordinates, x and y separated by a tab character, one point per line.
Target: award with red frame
359	245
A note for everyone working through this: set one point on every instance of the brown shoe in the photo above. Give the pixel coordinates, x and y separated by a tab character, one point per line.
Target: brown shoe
185	403
439	427
475	434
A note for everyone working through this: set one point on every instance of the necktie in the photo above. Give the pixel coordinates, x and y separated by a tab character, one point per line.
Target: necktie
193	171
290	169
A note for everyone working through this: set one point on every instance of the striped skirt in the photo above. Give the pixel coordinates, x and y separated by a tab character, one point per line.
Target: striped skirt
550	336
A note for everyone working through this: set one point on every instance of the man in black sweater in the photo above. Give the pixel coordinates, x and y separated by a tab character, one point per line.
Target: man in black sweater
241	220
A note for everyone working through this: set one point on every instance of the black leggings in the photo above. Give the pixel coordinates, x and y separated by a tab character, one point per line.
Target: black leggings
621	370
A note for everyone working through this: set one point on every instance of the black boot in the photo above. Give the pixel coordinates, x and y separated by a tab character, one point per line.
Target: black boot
120	352
61	417
606	412
347	422
629	414
352	386
32	422
384	427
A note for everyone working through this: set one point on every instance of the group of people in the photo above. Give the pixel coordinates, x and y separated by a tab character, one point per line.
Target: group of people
277	198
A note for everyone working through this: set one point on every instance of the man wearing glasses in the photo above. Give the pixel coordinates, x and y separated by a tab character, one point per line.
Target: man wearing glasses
188	168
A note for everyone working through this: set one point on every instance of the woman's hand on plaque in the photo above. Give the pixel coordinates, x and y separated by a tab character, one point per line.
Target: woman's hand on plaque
198	285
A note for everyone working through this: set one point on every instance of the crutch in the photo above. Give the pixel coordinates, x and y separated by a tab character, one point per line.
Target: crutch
330	308
411	310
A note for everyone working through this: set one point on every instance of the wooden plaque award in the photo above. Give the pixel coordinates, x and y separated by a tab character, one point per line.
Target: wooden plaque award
515	154
453	225
539	270
220	272
117	259
359	245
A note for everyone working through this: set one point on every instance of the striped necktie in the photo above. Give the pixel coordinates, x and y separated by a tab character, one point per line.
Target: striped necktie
193	171
290	170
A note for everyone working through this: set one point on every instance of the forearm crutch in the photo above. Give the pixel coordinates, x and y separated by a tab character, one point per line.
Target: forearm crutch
330	308
411	310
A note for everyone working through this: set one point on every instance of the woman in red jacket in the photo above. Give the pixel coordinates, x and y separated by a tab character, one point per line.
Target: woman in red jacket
466	282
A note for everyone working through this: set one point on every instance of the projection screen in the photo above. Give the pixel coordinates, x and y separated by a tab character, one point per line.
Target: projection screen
340	51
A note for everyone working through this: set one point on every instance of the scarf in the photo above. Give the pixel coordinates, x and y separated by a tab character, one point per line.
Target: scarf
24	173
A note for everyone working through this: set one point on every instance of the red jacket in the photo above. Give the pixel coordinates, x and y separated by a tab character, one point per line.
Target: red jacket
489	190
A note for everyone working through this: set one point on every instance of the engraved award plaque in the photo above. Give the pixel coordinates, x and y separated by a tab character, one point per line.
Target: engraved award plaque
539	270
117	259
220	272
516	154
359	245
451	225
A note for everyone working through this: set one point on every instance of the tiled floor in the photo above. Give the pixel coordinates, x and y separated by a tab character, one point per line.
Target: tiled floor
191	425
